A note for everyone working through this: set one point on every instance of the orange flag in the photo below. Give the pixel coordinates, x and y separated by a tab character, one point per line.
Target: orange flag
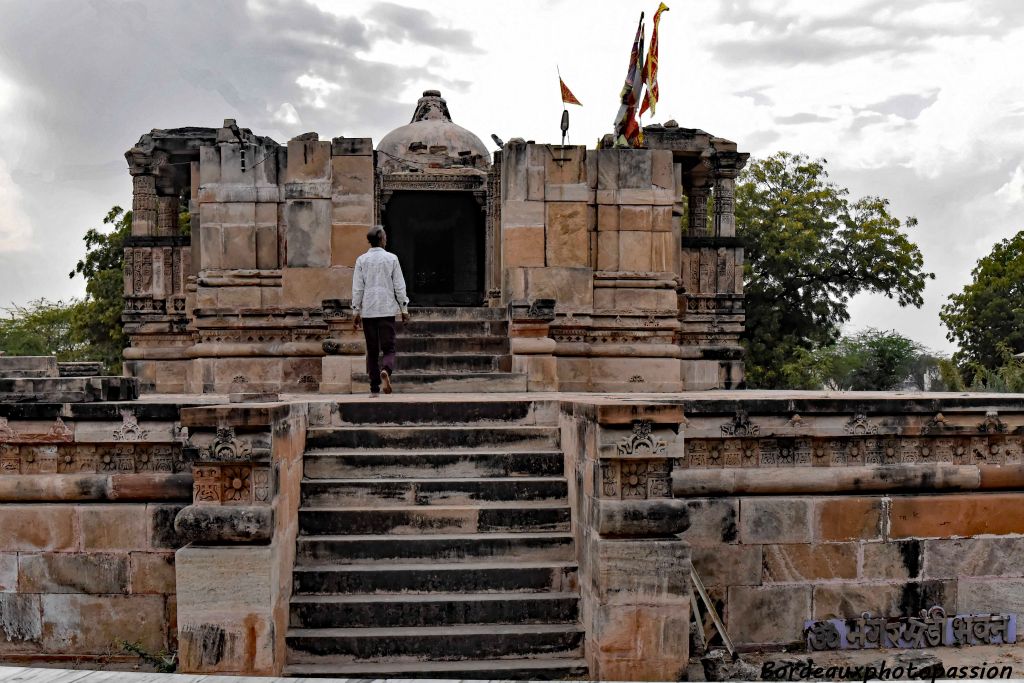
567	95
651	65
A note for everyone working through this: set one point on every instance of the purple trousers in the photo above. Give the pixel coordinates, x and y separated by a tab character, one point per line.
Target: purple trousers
380	339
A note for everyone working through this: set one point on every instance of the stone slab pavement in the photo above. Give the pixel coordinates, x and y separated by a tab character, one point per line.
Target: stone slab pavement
12	674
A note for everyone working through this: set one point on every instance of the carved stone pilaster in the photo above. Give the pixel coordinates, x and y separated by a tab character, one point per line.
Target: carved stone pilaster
167	216
725	202
144	205
698	209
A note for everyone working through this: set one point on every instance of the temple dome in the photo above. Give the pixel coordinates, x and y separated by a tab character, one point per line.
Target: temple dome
431	141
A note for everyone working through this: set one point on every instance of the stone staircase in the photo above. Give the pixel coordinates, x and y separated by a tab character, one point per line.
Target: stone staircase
458	349
434	541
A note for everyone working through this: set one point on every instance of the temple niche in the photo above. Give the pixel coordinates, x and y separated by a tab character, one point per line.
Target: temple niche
538	268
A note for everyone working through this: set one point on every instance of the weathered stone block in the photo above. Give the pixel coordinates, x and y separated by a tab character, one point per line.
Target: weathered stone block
21	625
892	560
352	175
308	160
336	374
607	217
515	214
565	165
662	219
728	565
608	169
227	643
94	573
801	562
608	250
8	572
635	218
955	515
28	366
572	288
523	246
635	169
87	624
353	209
309	232
567	236
224	578
162	533
662	169
238	297
38	527
988	596
634	251
266	247
774	520
213	524
712	521
643	571
310	286
639	643
768	615
152	573
665	252
209	164
973	557
849	600
847	519
113	527
348	242
578	192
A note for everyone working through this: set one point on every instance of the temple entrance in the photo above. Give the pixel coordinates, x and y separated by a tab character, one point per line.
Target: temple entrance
439	240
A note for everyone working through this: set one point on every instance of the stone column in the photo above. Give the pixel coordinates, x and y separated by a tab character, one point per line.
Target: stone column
234	577
697	199
166	216
725	200
144	205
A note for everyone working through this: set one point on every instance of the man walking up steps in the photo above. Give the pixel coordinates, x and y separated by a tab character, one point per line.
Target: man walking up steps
378	295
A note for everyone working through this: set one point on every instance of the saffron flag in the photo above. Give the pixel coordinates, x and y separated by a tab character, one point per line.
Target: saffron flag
567	95
627	130
651	65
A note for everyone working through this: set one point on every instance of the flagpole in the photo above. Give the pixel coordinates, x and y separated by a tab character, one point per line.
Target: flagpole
565	111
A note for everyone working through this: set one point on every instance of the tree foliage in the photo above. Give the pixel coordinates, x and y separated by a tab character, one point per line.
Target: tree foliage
809	249
97	319
871	360
41	328
986	319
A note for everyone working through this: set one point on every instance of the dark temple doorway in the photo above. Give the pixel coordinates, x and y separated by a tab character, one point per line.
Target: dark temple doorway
439	240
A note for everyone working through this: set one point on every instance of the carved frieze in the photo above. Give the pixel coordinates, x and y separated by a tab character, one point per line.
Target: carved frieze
636	479
60	458
849	451
641	441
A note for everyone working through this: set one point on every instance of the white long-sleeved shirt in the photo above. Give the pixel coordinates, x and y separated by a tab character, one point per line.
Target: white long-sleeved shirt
378	288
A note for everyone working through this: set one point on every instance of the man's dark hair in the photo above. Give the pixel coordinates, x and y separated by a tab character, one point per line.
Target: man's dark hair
375	235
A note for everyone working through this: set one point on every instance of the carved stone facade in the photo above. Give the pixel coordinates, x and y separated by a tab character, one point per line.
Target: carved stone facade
642	303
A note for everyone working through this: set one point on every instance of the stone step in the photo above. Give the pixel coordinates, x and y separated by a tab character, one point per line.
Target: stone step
516	516
358	549
434	437
381	611
414	464
439	344
450	642
451	328
457	313
385	413
539	669
447	382
476	577
451	362
451	491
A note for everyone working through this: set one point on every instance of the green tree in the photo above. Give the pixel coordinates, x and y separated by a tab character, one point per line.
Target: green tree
871	360
97	319
41	328
809	249
989	313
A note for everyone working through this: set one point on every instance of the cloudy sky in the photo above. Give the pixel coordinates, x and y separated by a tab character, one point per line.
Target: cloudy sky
918	101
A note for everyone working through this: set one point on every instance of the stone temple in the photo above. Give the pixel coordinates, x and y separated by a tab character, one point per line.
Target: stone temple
568	449
542	268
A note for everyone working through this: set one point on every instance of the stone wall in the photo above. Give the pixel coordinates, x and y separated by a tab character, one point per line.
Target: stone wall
803	509
88	497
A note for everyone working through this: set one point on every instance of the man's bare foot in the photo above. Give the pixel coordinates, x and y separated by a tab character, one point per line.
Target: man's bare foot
385	381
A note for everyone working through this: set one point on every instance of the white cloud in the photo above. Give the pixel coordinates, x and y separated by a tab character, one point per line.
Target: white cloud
15	228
